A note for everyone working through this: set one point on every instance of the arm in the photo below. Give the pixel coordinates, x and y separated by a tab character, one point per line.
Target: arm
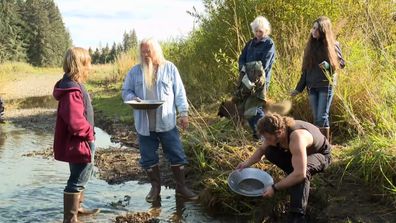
242	57
128	87
72	113
301	83
256	157
179	92
299	141
180	97
268	58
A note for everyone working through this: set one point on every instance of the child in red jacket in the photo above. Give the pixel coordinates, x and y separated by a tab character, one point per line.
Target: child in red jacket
74	130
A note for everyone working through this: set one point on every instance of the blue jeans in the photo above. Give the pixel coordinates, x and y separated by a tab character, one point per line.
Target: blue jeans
253	120
320	100
80	173
171	145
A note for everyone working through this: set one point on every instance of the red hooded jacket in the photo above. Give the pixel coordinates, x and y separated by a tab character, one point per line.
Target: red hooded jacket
72	129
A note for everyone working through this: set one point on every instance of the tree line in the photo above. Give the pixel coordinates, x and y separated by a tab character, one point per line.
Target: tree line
32	31
109	55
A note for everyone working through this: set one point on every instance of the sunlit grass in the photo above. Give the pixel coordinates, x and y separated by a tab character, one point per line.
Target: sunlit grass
12	70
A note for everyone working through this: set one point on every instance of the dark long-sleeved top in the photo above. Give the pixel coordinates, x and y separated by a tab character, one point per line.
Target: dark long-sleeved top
315	77
259	50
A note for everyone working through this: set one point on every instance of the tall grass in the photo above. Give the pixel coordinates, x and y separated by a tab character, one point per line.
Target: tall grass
9	69
124	63
364	105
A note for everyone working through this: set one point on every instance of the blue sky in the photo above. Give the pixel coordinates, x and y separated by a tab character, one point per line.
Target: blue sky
94	23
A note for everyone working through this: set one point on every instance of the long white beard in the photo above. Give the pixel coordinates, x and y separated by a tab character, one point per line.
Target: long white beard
148	72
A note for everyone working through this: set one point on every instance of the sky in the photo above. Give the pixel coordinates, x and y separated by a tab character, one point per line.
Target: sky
93	23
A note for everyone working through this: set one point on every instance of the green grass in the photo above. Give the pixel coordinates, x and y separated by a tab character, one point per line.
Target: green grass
8	70
111	105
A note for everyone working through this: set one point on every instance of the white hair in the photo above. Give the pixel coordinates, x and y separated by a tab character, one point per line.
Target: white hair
154	44
260	22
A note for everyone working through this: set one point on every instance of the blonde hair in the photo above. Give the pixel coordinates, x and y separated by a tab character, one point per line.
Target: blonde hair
76	63
260	22
273	122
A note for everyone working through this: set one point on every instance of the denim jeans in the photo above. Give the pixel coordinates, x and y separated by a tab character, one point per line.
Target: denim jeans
253	120
299	193
320	100
171	145
80	173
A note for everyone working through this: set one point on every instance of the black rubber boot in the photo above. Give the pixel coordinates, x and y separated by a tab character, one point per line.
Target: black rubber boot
181	188
153	174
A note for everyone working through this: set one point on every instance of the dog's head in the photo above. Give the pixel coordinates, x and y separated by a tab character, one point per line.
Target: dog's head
228	109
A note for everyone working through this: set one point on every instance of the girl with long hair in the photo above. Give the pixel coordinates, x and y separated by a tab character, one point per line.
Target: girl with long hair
322	58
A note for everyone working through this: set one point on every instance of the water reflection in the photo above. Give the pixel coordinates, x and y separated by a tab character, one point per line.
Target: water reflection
31	189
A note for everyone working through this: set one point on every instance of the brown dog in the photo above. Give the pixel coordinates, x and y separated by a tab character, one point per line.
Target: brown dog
230	110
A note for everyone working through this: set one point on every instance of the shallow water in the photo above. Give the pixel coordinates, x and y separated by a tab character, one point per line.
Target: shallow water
31	188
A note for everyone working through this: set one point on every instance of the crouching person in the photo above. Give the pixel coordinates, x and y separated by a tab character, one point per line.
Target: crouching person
158	79
74	131
300	150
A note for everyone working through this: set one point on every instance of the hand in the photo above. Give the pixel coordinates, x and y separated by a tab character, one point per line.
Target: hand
324	65
137	99
183	122
293	93
241	166
268	192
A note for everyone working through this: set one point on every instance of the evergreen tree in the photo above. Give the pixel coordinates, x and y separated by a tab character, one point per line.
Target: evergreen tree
134	39
104	57
113	53
96	56
129	40
12	46
47	37
119	48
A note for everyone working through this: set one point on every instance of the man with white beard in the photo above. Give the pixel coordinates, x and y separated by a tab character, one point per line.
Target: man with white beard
158	79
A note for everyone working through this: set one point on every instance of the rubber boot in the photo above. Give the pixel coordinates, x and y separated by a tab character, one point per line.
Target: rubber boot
326	132
153	174
71	202
84	212
181	188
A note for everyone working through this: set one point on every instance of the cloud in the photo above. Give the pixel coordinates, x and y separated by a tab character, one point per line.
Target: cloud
93	22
